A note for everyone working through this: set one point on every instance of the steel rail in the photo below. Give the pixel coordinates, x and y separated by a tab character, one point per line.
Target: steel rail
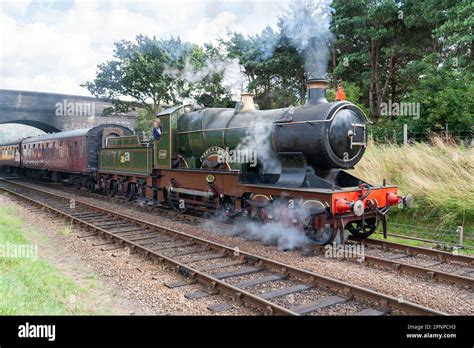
412	250
349	290
430	274
402	267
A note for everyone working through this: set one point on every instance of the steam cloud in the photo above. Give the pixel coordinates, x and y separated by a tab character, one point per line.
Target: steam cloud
285	237
257	138
231	70
307	25
272	233
280	233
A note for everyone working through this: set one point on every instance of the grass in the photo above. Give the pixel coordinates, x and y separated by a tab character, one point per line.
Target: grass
30	285
440	175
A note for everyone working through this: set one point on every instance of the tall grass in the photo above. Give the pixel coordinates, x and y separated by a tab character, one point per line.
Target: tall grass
440	175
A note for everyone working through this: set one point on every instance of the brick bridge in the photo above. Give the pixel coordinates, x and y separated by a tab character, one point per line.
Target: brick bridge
53	112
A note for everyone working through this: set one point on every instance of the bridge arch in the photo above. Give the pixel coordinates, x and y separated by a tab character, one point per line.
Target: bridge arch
47	128
47	111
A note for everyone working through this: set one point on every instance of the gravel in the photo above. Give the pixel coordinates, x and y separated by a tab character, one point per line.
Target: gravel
124	284
440	296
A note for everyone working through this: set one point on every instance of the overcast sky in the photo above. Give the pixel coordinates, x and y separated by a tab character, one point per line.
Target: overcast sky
53	46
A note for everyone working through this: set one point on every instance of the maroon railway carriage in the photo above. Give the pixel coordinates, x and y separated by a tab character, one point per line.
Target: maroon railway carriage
10	155
71	155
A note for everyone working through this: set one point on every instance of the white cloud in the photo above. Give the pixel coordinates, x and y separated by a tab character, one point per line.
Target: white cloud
53	47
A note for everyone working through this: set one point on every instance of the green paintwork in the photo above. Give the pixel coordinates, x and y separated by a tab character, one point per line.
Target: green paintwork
126	155
162	148
165	149
128	141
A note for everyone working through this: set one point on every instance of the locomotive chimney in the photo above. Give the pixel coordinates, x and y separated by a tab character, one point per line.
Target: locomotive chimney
247	102
316	91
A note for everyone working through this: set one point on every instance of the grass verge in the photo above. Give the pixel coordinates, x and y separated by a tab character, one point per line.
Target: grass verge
29	285
440	175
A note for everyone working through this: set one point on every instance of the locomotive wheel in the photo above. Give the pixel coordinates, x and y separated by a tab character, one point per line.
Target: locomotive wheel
176	204
322	237
141	190
131	192
113	188
357	230
91	185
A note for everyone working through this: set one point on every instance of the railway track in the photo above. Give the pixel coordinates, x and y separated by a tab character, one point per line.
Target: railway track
431	264
271	286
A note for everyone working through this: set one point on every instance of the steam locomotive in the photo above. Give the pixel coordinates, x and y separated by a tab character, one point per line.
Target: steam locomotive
281	166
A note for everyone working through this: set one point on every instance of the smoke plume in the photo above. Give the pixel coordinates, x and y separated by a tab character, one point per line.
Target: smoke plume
307	26
230	69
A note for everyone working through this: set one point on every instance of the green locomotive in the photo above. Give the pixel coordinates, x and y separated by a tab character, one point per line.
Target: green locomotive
302	153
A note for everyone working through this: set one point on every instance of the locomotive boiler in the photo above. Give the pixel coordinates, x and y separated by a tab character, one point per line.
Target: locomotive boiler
325	135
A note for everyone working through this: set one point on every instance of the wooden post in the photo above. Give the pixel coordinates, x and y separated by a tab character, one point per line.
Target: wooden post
405	134
460	235
446	132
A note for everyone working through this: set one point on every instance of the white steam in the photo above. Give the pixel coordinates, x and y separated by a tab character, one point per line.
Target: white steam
281	233
307	25
271	233
233	78
267	42
257	138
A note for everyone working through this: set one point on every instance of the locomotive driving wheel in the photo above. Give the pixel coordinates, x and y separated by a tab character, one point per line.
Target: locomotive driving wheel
131	191
112	188
322	236
362	230
177	203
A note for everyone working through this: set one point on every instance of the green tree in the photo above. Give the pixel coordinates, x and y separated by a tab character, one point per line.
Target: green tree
138	71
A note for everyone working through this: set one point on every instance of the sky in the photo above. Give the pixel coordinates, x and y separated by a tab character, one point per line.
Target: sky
54	46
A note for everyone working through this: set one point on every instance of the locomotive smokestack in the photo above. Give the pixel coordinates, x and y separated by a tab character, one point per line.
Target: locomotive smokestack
316	91
247	102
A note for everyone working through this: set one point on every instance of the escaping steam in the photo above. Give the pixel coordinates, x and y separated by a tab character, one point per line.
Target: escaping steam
307	25
230	69
272	233
285	237
275	232
258	139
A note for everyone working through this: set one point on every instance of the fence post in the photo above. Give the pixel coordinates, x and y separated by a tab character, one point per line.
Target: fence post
460	235
446	131
405	134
